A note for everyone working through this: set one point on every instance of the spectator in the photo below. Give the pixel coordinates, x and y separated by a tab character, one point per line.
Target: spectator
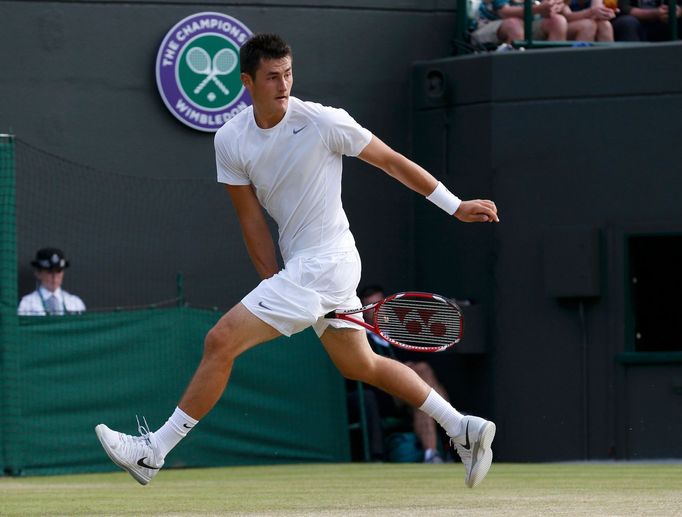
652	16
625	26
501	22
589	20
49	297
423	425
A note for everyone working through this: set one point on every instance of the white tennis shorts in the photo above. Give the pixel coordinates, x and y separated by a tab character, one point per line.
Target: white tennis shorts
305	290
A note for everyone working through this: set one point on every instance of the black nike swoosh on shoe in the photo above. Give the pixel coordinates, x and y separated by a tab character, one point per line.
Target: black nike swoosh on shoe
467	444
141	463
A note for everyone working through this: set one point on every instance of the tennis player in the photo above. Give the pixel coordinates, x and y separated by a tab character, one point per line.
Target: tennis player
284	154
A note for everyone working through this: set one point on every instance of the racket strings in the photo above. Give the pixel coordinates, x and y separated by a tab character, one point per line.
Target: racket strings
420	322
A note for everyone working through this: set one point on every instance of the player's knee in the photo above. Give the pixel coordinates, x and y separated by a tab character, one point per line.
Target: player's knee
358	370
352	372
219	345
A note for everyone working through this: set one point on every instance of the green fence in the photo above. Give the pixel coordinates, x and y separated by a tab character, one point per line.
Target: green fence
63	375
9	409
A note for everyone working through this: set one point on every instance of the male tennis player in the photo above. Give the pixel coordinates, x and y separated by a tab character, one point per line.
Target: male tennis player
284	155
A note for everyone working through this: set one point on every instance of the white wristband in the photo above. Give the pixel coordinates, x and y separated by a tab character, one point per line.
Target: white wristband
444	199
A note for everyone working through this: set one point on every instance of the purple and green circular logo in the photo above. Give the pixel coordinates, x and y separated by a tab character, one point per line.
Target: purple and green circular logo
197	70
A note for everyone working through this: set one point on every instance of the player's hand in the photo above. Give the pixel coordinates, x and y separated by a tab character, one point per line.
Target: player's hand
477	211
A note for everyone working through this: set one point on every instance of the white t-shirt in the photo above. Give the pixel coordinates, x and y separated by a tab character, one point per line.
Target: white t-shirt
295	168
35	303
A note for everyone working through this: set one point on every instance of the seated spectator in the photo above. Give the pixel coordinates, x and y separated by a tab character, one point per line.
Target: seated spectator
625	26
423	426
589	20
500	22
49	297
653	18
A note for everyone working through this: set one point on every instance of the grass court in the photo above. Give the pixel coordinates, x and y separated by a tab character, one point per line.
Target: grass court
594	489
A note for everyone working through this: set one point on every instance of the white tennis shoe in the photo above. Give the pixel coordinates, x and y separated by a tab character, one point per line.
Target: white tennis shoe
476	452
132	453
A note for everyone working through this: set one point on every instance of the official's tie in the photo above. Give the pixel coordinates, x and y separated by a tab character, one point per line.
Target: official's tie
53	305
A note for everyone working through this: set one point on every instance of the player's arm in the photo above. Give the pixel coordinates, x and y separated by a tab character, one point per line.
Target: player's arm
255	231
413	176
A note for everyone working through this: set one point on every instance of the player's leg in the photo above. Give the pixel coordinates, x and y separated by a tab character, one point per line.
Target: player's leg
472	436
235	332
143	456
354	358
424	426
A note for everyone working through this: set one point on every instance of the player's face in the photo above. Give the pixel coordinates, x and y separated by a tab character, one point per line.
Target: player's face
270	89
372	298
50	279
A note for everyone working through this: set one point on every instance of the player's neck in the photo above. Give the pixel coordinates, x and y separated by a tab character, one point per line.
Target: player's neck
266	119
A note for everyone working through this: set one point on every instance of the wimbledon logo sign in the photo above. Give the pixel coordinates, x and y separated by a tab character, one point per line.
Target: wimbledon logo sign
197	70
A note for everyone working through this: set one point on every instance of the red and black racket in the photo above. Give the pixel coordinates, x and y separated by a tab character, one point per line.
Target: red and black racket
421	322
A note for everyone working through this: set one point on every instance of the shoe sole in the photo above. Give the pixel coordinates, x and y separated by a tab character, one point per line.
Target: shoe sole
480	470
98	431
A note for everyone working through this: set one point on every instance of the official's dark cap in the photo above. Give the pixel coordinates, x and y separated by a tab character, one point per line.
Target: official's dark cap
50	258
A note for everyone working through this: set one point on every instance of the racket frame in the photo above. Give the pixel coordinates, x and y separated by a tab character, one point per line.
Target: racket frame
345	314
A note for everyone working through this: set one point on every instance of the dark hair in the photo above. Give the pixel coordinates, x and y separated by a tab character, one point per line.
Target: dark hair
261	46
369	290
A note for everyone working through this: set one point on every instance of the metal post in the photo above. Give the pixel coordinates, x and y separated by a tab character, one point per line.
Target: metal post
461	19
672	19
528	22
180	288
363	421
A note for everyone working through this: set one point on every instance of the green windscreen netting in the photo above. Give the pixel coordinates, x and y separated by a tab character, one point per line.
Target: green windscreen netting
135	348
127	238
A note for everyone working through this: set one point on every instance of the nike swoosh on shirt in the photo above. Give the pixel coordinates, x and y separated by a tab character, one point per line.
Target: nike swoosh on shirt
300	129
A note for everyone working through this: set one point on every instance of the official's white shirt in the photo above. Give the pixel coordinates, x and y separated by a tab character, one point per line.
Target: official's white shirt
35	303
295	168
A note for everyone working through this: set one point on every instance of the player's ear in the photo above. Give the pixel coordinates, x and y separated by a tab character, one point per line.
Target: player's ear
247	80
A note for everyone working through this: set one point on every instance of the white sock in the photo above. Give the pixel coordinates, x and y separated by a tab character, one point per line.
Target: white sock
442	412
429	454
174	430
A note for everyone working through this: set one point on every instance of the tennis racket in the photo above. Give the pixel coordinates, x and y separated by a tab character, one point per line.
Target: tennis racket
420	322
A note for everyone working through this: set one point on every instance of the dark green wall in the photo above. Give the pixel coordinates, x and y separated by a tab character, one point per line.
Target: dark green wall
568	142
77	80
578	147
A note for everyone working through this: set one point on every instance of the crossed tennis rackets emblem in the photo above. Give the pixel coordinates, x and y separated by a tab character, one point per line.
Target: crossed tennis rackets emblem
223	63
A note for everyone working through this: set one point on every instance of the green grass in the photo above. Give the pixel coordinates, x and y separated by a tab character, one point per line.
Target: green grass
623	489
